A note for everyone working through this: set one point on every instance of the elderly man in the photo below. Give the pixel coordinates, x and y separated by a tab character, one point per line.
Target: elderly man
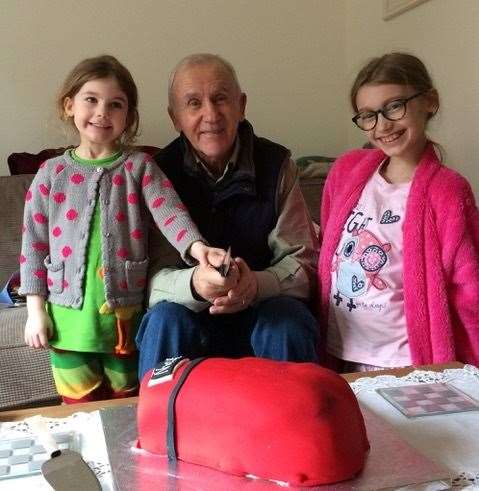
242	191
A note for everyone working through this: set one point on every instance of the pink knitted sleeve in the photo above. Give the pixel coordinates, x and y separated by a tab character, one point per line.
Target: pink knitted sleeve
464	290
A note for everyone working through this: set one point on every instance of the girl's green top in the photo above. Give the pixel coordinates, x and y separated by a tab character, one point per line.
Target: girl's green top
85	329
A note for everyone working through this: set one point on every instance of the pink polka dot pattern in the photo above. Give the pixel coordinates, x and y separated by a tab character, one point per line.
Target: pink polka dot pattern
137	234
133	198
147	179
71	214
122	253
170	220
180	235
67	205
157	202
59	197
118	180
66	251
40	218
77	179
40	246
44	189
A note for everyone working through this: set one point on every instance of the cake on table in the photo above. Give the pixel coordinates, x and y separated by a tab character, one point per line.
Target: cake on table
295	423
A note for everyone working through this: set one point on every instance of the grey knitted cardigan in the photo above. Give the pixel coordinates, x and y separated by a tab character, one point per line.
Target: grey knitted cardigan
59	208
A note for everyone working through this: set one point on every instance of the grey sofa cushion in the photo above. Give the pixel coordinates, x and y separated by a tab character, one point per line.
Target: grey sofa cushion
313	171
12	199
25	374
312	189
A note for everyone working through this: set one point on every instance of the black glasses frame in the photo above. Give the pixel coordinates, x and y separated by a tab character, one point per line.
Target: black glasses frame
382	111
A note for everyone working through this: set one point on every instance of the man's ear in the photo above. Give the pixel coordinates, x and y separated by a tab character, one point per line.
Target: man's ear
243	99
174	119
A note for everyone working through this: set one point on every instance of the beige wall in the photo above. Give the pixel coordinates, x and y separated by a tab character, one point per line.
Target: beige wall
289	56
445	34
295	59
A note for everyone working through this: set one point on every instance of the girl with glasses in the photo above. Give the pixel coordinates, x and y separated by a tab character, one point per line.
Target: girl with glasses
399	263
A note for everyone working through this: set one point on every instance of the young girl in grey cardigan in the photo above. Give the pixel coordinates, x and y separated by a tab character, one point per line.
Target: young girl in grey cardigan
85	237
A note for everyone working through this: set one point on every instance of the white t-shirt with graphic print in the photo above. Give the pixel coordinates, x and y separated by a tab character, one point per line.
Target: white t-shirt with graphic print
366	316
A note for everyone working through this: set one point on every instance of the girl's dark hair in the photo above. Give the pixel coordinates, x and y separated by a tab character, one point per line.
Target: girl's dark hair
394	68
104	66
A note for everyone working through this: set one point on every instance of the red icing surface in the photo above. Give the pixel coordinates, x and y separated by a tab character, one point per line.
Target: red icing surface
293	422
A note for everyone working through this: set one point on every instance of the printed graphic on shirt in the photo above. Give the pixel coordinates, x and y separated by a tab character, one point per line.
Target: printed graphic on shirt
360	258
388	217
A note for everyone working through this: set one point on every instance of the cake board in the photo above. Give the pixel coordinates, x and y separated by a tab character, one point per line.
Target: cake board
391	464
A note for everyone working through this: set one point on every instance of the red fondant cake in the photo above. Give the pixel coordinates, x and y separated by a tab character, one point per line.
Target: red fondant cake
292	422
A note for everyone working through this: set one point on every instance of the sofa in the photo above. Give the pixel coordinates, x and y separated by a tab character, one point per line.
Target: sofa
25	374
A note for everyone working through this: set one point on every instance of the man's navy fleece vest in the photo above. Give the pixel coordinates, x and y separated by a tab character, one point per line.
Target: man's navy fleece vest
240	210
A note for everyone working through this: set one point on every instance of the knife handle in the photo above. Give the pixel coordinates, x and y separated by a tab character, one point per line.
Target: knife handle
40	428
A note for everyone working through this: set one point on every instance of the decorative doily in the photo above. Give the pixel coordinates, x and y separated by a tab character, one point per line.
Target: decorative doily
416	377
466	480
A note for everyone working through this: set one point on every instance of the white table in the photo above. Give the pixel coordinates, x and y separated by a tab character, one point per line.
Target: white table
451	440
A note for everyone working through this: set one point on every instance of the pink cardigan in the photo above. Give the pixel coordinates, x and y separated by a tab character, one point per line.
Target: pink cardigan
441	253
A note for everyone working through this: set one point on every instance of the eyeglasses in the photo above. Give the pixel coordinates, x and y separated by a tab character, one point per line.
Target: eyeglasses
393	111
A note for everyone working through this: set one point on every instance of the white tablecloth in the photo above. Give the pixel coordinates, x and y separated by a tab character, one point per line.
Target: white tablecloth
451	440
92	442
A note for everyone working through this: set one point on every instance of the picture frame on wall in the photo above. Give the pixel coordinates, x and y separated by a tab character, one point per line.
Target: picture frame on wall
393	8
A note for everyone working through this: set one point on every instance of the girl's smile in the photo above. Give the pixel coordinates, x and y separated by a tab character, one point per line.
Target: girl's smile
392	137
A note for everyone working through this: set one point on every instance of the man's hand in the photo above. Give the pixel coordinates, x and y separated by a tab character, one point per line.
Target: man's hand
209	284
241	295
39	327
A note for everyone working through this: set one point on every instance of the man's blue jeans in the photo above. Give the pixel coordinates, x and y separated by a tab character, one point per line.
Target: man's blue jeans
280	328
